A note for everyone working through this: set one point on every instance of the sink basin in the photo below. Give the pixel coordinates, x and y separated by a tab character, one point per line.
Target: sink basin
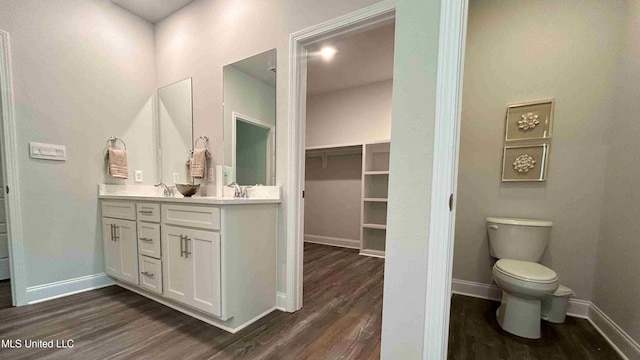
188	189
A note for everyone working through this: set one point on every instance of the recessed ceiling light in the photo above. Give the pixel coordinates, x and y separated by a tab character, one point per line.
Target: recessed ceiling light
327	52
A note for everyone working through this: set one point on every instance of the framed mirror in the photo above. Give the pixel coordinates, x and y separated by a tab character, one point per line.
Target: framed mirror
175	131
250	120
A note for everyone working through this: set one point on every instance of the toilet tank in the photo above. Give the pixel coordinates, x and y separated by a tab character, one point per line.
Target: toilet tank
518	239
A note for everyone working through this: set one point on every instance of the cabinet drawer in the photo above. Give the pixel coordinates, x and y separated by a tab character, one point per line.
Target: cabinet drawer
149	239
148	212
203	217
151	274
119	210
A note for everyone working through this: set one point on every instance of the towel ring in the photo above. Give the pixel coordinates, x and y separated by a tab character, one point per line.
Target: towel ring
204	138
112	140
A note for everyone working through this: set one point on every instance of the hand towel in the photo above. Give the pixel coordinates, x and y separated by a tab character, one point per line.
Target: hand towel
118	163
199	163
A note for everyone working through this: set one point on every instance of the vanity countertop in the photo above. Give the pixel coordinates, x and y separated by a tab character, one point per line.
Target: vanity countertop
268	195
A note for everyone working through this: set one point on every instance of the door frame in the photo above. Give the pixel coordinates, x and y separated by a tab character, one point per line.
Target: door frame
358	21
235	117
453	23
9	158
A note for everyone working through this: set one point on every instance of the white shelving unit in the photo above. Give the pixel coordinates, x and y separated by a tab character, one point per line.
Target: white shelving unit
375	190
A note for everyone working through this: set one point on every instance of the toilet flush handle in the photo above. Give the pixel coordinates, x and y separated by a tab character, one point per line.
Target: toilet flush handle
493	227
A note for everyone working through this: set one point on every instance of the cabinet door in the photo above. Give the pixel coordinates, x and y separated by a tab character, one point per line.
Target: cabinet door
112	258
191	267
120	249
203	255
175	266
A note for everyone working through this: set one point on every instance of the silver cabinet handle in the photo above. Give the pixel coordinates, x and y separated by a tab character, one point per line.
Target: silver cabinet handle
147	274
181	245
111	227
186	247
146	239
147	212
116	236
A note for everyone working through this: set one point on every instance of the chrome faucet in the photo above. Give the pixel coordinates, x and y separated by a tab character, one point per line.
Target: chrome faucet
240	191
167	190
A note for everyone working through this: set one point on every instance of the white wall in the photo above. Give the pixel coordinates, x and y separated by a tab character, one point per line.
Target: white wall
332	197
522	51
82	71
411	161
350	116
355	115
206	35
617	275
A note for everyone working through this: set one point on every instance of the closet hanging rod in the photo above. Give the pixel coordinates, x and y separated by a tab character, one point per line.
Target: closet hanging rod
333	152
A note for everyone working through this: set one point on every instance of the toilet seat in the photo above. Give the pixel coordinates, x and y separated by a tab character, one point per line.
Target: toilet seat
526	271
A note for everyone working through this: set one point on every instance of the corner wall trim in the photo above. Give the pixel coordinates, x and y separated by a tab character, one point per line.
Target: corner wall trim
624	344
281	301
58	289
332	241
577	307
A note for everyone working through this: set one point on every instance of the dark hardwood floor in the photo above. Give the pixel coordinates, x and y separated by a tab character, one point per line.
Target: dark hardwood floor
341	319
474	333
5	294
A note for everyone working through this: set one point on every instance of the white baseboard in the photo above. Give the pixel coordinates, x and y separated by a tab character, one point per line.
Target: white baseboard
5	271
626	346
281	301
577	307
58	289
332	241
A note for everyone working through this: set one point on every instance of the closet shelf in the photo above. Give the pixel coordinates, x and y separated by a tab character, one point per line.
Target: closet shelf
376	172
371	252
375	199
374	226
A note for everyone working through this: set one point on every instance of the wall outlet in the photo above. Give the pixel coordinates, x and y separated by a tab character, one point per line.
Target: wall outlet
138	176
176	178
212	174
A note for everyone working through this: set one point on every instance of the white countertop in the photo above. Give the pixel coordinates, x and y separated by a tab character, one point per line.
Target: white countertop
268	195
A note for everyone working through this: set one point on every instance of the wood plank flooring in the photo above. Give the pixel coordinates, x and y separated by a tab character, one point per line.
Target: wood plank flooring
341	319
474	333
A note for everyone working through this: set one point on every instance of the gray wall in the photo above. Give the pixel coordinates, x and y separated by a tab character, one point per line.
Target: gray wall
82	71
617	280
528	50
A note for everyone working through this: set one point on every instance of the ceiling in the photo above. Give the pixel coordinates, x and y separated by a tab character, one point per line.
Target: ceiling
260	67
152	10
363	58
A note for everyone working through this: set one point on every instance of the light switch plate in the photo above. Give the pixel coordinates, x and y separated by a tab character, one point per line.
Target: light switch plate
138	176
47	151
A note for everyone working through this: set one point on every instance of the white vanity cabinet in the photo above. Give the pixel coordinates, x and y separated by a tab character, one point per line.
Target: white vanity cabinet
191	267
120	249
215	262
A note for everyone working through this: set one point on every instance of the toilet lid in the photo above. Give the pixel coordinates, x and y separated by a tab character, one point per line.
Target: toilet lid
526	270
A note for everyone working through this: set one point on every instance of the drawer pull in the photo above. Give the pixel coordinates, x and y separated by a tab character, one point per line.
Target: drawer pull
146	239
182	237
146	212
186	247
147	274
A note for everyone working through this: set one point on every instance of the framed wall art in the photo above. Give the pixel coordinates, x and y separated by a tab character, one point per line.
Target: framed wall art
529	121
525	162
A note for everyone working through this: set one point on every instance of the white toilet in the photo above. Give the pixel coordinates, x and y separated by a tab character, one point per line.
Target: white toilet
519	245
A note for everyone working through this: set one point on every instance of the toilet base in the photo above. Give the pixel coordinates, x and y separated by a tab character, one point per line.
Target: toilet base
519	316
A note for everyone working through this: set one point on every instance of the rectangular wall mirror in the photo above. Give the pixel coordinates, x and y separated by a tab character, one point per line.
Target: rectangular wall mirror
175	129
250	120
